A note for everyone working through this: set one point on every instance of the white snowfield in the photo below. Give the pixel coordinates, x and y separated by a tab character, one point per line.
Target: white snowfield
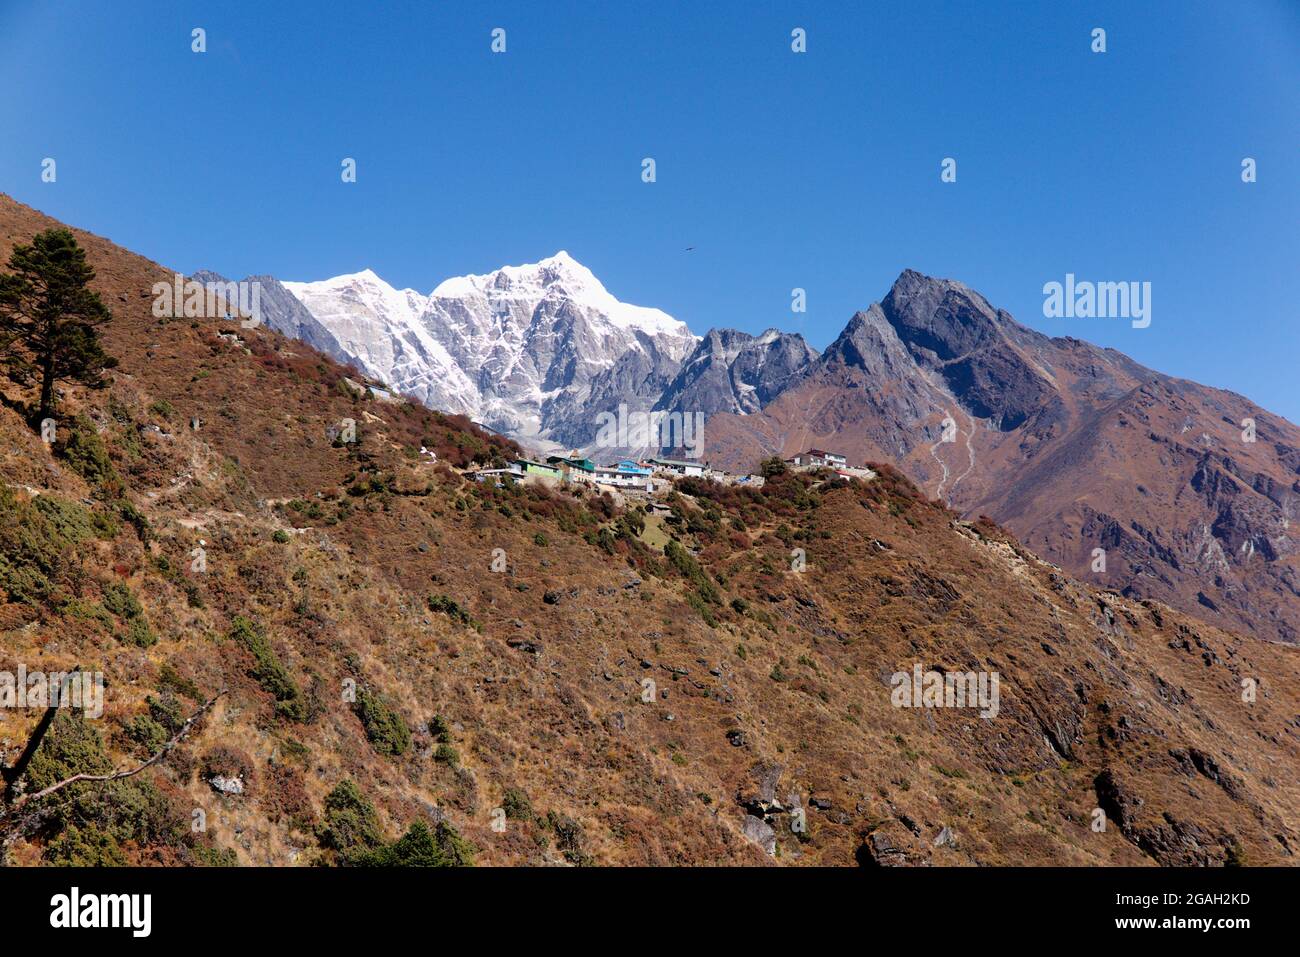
505	347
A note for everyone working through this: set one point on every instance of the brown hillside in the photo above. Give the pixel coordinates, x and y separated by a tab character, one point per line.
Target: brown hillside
332	565
1073	447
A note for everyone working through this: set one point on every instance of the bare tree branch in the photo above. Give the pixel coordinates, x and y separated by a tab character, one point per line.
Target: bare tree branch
119	774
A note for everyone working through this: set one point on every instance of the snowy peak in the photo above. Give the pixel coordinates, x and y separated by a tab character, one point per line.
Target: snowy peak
560	279
358	296
522	349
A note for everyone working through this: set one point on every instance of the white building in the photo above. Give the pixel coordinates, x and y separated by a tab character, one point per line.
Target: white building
678	467
818	458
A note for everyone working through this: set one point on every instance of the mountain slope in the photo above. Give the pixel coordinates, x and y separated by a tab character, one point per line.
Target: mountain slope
333	565
1073	447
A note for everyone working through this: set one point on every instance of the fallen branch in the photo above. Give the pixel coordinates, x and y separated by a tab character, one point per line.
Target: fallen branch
119	774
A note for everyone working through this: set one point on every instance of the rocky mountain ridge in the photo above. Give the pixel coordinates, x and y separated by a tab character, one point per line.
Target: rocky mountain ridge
384	679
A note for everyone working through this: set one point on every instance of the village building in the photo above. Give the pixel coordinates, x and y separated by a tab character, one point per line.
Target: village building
626	474
678	467
496	476
572	467
527	467
818	458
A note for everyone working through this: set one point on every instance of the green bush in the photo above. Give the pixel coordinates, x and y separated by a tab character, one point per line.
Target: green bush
169	679
385	728
267	669
147	733
419	847
135	518
37	539
119	599
139	633
440	729
75	847
87	455
448	606
690	569
91	821
351	824
516	805
72	746
569	838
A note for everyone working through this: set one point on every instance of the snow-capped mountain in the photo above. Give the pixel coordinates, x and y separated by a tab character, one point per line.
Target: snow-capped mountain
534	351
379	328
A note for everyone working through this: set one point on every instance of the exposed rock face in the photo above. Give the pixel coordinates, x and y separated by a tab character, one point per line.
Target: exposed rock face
761	833
1074	447
227	784
732	371
953	332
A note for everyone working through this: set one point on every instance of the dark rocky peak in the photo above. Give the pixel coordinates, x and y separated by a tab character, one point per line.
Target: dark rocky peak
940	316
871	344
733	371
989	362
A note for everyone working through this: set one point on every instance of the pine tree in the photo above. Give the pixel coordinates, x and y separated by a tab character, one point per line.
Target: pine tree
49	318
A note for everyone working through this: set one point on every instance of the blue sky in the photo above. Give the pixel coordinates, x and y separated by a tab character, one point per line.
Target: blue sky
816	170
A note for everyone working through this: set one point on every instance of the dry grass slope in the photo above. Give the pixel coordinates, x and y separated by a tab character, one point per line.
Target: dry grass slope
333	567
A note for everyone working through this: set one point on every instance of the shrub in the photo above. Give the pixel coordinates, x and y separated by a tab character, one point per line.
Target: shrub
135	518
267	669
516	805
351	824
147	733
227	762
91	820
440	729
87	455
36	544
119	599
690	569
446	754
84	848
569	838
139	633
420	847
447	606
385	728
280	536
169	679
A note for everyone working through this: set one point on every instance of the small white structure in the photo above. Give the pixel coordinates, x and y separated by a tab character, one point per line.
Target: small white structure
818	458
678	466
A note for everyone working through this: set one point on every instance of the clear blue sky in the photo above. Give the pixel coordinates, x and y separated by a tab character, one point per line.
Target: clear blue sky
818	170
